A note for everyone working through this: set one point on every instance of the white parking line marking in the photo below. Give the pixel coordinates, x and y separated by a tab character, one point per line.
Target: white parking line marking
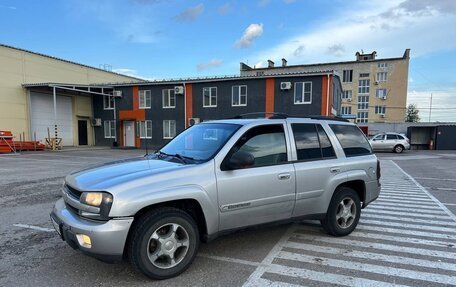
433	178
406	232
34	227
409	225
325	277
373	256
267	283
416	220
407	214
229	259
410	210
384	270
406	198
452	204
416	204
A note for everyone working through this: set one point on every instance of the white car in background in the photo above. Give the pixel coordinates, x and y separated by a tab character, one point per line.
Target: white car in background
390	142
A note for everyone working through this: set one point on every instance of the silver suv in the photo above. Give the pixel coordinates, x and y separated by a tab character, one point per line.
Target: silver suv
213	178
390	142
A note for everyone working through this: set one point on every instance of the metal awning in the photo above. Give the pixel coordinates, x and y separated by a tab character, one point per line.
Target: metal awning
101	90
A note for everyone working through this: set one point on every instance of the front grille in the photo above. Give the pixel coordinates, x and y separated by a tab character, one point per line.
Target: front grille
73	192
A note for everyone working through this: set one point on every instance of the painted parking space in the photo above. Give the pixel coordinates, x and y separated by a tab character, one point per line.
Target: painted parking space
405	238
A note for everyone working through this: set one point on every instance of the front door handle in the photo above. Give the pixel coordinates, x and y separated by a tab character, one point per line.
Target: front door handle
334	169
284	176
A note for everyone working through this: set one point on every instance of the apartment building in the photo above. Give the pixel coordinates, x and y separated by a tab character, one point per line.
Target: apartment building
374	89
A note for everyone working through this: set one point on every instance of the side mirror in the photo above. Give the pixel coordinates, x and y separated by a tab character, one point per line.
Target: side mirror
241	159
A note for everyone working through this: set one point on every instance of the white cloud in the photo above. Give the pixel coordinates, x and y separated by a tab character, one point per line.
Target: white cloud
337	50
385	26
251	33
190	14
211	64
132	73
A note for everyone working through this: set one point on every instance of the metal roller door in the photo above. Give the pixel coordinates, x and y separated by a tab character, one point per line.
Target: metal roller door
42	117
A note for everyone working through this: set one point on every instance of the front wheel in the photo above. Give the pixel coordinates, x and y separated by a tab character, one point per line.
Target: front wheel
164	243
343	213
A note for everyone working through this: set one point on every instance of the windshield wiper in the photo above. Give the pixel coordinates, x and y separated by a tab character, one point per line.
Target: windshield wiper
180	157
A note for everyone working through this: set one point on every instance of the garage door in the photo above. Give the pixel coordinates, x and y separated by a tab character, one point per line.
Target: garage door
42	117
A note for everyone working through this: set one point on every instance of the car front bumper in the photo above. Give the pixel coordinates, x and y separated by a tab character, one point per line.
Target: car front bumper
108	238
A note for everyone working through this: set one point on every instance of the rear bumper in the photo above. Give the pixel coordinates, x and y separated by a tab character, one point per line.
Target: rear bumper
107	237
372	192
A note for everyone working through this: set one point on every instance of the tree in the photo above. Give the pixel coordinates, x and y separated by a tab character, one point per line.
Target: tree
412	114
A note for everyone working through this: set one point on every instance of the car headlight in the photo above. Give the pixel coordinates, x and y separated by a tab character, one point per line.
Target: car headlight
101	200
95	198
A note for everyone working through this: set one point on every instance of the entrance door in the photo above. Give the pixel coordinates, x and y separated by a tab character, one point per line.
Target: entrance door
82	132
129	133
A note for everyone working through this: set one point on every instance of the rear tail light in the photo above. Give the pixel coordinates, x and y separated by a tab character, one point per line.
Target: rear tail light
378	170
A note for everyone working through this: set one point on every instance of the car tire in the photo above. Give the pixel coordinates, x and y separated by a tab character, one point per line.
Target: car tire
398	148
163	243
343	213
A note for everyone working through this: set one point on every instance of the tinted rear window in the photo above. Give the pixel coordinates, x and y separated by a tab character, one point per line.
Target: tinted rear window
352	140
391	137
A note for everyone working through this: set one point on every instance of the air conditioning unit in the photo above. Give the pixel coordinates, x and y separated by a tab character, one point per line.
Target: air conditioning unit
377	82
349	99
285	86
178	90
96	122
117	94
193	121
382	115
383	98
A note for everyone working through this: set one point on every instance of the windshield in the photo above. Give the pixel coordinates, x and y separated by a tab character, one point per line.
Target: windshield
200	142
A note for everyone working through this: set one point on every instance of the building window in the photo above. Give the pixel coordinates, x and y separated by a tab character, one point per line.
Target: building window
347	76
169	129
364	75
380	93
382	65
303	93
209	97
382	76
260	73
380	110
362	117
347	94
346	110
110	129
363	86
108	102
145	99
145	129
168	98
239	96
363	102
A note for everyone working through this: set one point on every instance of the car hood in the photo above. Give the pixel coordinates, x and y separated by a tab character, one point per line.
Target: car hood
110	174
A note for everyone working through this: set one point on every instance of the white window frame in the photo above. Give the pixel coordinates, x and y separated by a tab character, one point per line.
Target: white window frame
211	104
364	118
364	86
239	96
169	133
143	127
303	93
380	110
350	76
382	65
383	78
166	98
346	110
111	101
143	96
347	94
381	95
363	102
110	127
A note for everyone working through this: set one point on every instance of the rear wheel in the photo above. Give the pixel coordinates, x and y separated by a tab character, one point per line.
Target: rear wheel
343	212
164	243
398	149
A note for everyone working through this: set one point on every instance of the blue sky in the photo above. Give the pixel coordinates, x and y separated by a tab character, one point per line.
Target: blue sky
158	39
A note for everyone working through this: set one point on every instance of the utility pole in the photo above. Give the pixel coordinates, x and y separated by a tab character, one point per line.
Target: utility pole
430	109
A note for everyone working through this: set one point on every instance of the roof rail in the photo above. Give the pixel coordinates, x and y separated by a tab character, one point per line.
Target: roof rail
274	115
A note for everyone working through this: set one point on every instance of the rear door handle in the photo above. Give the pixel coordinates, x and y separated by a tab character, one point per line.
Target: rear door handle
284	176
334	169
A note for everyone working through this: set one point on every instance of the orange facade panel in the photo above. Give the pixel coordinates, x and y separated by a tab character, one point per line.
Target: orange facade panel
270	95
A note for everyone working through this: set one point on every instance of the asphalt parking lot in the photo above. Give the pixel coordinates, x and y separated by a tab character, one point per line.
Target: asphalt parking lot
406	238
